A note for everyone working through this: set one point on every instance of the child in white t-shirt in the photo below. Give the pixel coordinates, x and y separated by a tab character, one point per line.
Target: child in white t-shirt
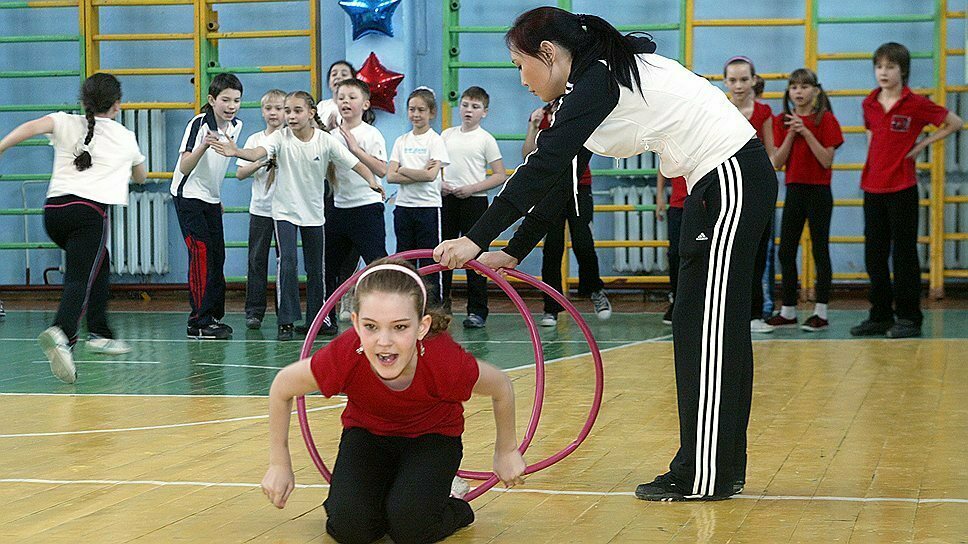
415	164
94	157
472	149
356	226
261	226
303	155
196	187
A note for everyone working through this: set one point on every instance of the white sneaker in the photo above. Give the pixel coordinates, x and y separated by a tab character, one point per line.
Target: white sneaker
345	307
459	487
107	346
760	326
54	343
603	308
548	320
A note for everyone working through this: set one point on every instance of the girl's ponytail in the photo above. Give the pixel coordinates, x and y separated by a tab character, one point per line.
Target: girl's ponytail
99	93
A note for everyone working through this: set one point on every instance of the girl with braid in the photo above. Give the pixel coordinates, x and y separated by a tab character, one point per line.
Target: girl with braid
94	157
303	154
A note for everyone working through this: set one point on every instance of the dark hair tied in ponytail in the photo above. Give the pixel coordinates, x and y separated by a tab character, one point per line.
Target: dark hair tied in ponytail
99	93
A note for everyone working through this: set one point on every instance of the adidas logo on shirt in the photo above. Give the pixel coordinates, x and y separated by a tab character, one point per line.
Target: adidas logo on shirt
702	237
316	159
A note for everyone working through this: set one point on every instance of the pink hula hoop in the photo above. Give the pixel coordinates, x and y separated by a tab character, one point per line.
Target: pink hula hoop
489	478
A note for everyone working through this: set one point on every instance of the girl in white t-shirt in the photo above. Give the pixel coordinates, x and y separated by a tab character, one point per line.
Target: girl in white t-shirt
94	157
261	226
356	224
303	155
196	186
415	164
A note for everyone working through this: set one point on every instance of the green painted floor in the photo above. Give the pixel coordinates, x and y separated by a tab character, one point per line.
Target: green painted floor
163	361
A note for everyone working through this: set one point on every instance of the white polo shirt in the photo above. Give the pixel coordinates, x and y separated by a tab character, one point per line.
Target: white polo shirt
261	202
470	154
413	151
351	189
302	167
114	150
204	182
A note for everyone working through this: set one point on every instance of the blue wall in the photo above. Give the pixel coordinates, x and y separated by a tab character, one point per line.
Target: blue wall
416	52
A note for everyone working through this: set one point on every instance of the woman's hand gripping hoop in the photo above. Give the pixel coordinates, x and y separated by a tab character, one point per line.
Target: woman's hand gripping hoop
489	478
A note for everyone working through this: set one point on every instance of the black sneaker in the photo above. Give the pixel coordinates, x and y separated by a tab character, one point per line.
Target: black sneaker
871	328
904	328
214	331
285	333
302	329
328	329
224	326
253	323
667	316
664	489
738	486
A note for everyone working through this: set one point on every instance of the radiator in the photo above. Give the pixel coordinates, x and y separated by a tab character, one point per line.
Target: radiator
638	226
149	127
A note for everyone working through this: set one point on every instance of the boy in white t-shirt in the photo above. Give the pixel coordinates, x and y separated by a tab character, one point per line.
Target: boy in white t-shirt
196	188
304	154
472	149
261	226
415	164
355	225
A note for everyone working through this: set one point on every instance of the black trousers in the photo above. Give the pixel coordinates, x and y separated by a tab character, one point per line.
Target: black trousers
723	222
582	243
201	226
674	217
80	227
419	228
261	230
395	485
891	232
457	216
352	257
759	269
814	203
351	233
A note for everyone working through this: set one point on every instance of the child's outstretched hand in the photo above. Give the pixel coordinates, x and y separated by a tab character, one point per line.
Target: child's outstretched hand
211	138
509	467
277	484
225	148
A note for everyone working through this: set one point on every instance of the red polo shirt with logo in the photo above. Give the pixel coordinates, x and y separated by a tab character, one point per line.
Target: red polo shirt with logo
893	134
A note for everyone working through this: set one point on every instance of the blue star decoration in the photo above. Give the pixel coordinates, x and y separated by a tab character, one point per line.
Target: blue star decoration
370	16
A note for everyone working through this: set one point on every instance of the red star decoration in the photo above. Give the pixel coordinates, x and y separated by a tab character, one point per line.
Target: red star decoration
382	81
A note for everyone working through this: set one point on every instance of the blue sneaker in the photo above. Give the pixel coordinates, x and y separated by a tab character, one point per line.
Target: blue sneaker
474	321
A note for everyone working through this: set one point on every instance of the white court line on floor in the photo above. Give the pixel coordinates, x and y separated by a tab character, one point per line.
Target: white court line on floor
117	362
161	483
155	427
239	366
606	350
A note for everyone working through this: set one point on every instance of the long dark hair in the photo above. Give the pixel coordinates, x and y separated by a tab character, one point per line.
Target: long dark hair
587	37
98	93
806	76
220	83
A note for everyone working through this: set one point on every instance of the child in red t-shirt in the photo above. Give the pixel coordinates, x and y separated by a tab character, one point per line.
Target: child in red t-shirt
740	78
405	380
894	118
674	213
809	133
